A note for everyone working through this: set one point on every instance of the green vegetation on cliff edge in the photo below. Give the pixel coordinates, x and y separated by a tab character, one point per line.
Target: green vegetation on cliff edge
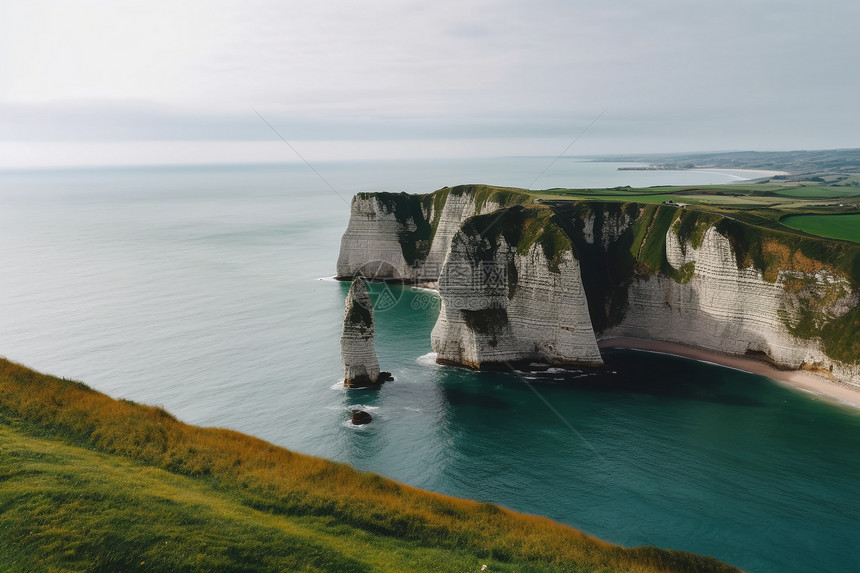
748	215
522	228
88	483
419	215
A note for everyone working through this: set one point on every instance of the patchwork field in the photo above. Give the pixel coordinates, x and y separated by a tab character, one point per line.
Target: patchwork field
815	207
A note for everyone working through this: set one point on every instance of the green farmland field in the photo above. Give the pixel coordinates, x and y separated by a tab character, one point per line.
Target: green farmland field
839	226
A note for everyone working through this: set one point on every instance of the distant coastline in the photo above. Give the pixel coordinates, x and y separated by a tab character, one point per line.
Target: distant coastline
726	171
834	161
758	172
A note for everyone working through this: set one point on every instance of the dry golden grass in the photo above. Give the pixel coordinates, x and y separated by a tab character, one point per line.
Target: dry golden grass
263	477
781	257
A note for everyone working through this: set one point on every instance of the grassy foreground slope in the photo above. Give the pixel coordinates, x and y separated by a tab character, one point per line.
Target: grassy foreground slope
89	483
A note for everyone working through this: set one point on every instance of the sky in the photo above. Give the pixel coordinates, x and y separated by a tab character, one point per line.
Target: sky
218	81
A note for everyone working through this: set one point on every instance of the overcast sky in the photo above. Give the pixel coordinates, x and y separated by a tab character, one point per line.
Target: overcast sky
389	78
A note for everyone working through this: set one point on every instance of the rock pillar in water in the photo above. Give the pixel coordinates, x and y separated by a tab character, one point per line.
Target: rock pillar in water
361	367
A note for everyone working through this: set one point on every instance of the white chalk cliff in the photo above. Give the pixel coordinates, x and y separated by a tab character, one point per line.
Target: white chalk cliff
734	310
510	302
371	245
406	237
361	367
540	288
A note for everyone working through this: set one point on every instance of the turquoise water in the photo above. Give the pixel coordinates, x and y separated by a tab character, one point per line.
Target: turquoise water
200	289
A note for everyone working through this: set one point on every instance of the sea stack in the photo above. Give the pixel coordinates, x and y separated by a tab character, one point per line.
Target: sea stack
361	367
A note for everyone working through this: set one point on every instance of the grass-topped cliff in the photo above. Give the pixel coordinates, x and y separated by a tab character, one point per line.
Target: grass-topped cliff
607	270
88	483
790	227
749	215
522	228
419	215
823	208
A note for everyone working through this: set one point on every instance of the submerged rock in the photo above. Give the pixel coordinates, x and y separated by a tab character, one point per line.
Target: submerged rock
360	365
360	418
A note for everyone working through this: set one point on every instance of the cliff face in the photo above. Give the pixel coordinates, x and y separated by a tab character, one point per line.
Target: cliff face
537	283
511	292
371	245
734	310
361	367
706	281
406	237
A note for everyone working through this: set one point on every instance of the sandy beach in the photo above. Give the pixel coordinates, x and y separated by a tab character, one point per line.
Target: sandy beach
801	379
742	174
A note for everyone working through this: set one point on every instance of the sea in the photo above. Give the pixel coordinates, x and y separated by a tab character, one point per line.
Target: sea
208	290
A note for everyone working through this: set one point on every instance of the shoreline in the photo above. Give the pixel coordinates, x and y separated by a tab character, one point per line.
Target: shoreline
735	170
730	171
804	380
833	391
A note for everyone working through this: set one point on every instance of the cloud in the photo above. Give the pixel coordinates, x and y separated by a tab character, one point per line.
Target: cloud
736	74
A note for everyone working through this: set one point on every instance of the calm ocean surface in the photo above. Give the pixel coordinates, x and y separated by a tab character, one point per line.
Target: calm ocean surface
201	289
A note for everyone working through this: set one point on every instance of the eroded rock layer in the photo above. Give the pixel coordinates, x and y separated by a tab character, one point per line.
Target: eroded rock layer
539	282
406	237
511	293
706	281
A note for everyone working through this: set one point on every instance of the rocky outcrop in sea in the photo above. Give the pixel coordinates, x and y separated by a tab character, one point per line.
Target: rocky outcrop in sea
360	365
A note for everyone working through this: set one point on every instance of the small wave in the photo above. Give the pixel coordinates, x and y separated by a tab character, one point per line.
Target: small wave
356	427
329	279
561	371
581	374
361	407
428	359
